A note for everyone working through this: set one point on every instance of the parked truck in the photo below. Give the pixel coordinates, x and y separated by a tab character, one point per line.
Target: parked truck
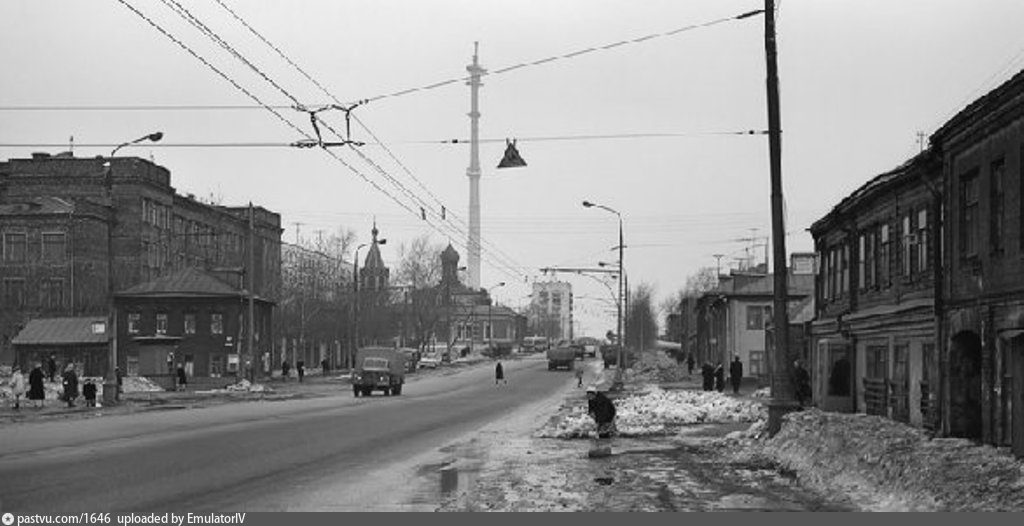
378	369
562	356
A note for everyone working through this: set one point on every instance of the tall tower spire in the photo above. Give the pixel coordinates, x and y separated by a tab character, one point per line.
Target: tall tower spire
473	172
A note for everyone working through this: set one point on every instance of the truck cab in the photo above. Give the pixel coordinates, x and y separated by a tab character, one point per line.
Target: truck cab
378	369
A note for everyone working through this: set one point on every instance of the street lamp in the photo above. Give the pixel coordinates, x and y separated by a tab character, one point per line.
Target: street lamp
490	322
110	390
355	285
622	269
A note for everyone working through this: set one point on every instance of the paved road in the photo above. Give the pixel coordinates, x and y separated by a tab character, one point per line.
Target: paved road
336	453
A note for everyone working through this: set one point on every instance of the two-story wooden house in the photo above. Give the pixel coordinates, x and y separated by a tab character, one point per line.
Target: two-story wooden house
874	334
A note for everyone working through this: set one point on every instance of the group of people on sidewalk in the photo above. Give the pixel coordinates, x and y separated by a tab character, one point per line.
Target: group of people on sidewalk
34	390
714	375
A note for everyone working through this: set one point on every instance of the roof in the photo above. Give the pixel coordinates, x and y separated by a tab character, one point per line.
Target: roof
797	284
876	186
1005	91
63	331
189	282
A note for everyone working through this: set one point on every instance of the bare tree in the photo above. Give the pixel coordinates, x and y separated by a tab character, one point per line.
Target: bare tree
419	263
641	322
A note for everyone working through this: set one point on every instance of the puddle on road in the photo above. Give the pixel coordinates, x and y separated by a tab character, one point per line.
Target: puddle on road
447	480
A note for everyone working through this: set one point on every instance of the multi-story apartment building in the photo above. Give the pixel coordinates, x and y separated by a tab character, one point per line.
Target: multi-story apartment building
73	230
550	311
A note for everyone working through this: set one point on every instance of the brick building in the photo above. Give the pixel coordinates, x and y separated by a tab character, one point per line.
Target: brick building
982	152
60	213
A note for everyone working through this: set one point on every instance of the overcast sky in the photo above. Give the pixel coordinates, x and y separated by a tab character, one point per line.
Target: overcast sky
859	80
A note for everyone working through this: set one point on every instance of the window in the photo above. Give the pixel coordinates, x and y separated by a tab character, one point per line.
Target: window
923	263
53	247
969	214
134	322
883	255
870	264
216	323
15	247
907	247
844	281
877	361
190	323
756	365
216	365
14	292
861	262
51	293
161	323
756	317
997	208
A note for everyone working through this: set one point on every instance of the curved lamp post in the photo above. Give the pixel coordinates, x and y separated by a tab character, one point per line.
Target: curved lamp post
110	389
622	269
490	322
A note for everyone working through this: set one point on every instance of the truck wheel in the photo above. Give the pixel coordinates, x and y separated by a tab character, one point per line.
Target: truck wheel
396	390
355	391
367	391
387	392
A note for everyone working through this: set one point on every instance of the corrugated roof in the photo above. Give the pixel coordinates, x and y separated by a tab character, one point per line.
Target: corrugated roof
187	282
62	331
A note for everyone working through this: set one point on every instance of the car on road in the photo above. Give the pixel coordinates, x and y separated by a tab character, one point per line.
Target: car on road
430	361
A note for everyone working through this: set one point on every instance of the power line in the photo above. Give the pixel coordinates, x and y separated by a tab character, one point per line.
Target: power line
204	29
398	93
314	118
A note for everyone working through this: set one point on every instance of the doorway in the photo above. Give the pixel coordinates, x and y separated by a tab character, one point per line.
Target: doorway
965	386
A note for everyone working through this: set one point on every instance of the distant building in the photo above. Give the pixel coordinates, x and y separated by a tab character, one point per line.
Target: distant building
550	312
731	318
68	224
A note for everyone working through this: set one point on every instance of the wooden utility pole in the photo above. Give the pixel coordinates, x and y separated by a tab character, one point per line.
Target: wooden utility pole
781	401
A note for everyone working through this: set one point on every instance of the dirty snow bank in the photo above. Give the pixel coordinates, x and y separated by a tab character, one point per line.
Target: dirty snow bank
243	386
884	465
653	412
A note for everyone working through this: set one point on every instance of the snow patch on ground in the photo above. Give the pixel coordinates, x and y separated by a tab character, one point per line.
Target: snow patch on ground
656	411
243	386
885	465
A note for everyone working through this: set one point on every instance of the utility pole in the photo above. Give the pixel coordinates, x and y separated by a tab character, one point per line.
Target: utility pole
781	401
250	358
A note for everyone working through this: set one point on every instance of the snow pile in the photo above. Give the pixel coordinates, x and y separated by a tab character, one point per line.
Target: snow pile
886	465
654	412
139	384
656	367
245	386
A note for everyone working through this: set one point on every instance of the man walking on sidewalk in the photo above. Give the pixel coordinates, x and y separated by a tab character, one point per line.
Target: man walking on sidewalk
736	374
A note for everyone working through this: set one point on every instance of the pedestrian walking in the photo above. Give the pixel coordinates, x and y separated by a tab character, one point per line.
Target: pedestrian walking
801	383
89	393
736	374
689	364
36	389
719	377
17	386
285	369
499	374
120	380
579	375
300	369
51	368
602	410
325	366
182	378
70	384
707	373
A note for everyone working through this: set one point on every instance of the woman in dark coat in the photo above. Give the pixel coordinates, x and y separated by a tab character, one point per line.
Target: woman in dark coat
36	391
70	385
719	378
499	374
